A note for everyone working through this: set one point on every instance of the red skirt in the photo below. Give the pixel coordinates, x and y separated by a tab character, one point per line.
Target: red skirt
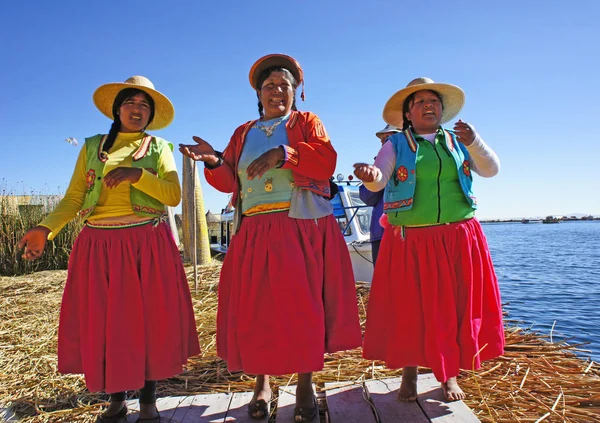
434	300
126	314
286	296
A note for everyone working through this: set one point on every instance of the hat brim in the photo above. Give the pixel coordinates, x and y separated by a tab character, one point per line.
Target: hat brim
453	99
164	112
386	130
282	60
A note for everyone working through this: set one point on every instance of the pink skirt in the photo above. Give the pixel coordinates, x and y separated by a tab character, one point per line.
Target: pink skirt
286	296
434	300
126	314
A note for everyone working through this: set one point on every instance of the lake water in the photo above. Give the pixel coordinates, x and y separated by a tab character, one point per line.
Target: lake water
551	273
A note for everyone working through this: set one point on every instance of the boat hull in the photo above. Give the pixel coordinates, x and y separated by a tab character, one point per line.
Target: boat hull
362	261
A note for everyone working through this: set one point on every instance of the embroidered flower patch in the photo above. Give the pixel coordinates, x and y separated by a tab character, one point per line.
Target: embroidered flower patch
402	174
466	168
90	180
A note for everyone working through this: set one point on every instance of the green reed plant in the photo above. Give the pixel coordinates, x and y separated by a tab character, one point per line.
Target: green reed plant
16	219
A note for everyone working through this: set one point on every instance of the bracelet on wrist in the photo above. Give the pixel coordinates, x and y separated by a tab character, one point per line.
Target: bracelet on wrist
216	165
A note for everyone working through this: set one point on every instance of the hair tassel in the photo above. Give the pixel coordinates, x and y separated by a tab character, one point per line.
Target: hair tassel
302	93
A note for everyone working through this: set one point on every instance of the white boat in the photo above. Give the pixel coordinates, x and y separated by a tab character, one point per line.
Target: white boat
353	217
531	220
225	230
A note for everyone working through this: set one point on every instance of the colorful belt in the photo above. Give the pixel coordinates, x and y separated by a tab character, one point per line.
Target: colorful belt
154	221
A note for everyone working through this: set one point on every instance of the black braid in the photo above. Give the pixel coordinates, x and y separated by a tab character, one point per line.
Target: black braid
112	134
405	109
265	74
121	98
260	108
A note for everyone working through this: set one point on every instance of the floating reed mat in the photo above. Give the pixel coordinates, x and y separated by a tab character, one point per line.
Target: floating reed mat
535	381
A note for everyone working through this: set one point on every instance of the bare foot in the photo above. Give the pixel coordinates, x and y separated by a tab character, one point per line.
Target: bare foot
452	391
148	411
408	387
259	405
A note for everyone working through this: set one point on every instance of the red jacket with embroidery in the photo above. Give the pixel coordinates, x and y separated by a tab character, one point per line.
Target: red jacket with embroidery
310	156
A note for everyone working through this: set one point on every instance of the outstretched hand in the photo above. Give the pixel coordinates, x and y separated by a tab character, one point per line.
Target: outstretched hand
34	242
465	132
201	151
267	160
366	172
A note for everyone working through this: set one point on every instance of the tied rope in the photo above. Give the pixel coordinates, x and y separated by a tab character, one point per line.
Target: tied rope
160	219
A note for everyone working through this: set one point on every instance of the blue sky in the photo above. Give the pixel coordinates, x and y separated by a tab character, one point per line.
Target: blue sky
529	70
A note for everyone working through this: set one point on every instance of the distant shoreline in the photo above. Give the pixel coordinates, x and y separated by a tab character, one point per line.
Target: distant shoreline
558	218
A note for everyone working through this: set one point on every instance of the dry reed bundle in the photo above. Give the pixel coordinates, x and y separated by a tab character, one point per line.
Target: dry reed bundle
17	219
535	381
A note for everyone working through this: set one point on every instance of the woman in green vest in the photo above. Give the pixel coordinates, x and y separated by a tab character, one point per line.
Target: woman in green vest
434	300
126	318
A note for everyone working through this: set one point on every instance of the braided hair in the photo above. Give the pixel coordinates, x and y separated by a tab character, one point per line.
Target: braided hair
121	98
406	108
263	77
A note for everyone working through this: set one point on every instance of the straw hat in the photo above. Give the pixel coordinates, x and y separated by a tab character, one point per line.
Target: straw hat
282	60
105	95
388	128
452	96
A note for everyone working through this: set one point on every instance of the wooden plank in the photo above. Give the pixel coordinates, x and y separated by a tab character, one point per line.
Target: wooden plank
287	402
238	409
133	405
182	409
383	394
431	399
7	415
346	404
208	408
166	407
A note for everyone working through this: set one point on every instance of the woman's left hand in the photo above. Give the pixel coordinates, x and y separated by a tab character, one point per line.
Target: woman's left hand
465	132
122	174
266	161
366	172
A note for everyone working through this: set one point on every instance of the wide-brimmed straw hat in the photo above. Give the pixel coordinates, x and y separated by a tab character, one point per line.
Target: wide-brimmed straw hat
282	60
453	99
388	128
105	95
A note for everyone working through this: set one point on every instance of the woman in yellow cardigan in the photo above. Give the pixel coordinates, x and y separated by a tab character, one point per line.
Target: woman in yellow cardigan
126	318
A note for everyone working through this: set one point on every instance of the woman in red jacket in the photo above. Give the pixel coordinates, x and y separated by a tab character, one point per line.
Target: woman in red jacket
286	292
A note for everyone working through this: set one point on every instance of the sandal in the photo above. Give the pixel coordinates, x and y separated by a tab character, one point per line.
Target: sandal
259	409
306	415
114	418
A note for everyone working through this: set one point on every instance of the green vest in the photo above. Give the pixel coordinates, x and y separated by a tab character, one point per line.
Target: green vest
145	157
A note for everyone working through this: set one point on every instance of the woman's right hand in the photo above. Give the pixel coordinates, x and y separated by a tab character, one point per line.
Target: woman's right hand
201	151
34	242
366	172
